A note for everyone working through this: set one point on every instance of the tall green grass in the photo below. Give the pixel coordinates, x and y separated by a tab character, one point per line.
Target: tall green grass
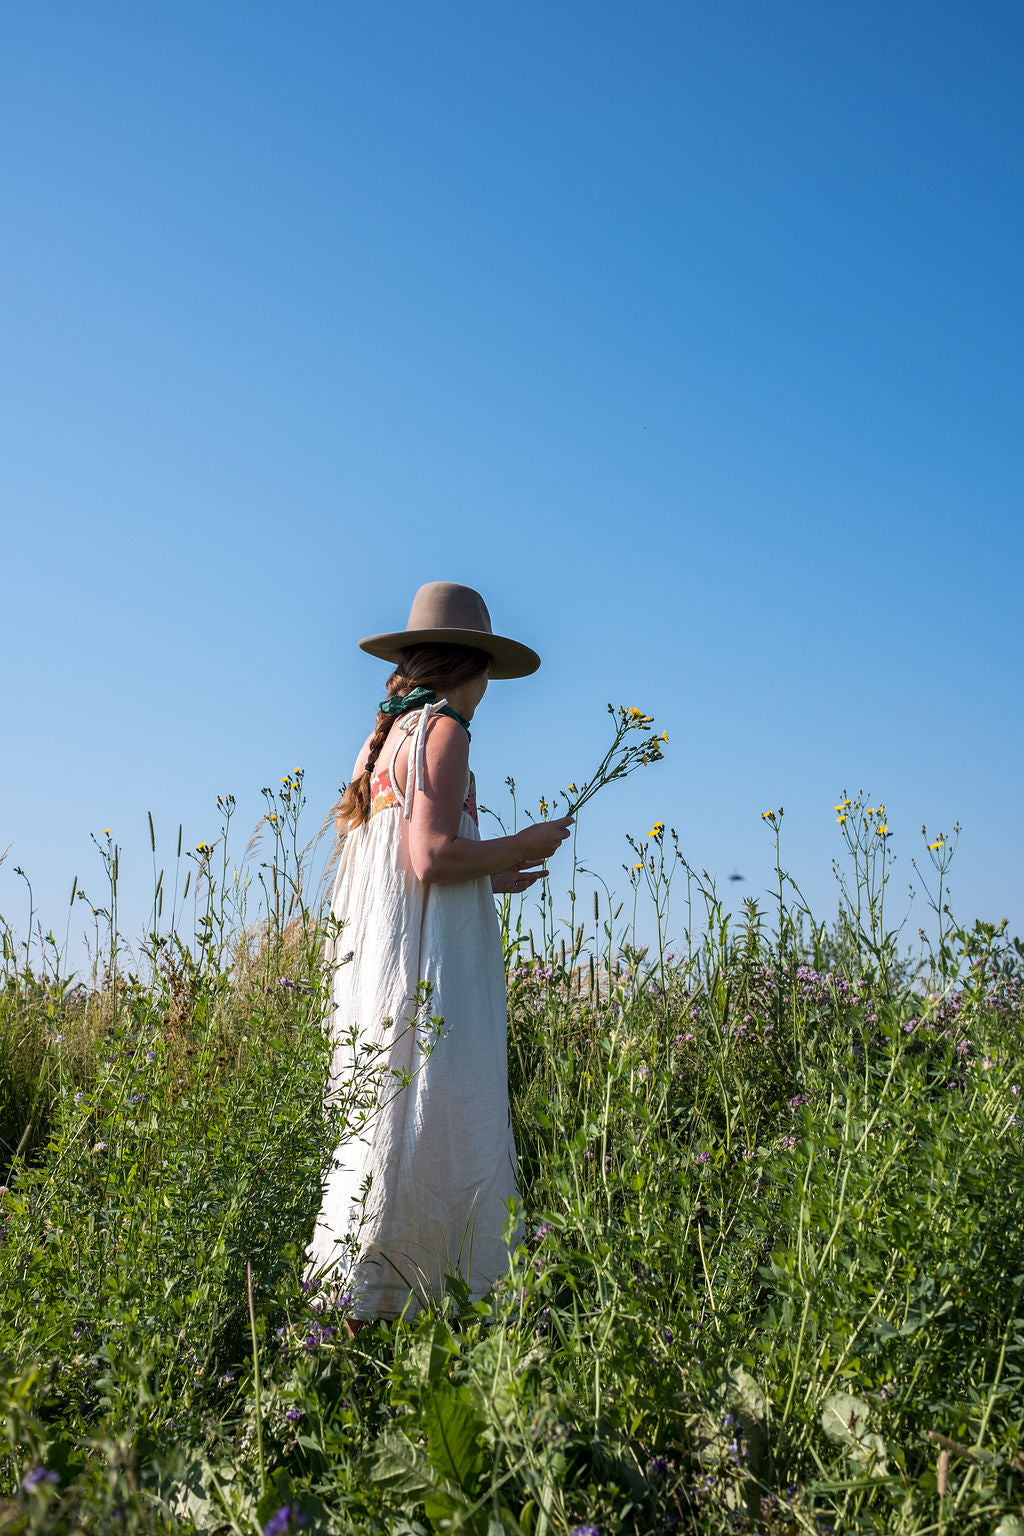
773	1271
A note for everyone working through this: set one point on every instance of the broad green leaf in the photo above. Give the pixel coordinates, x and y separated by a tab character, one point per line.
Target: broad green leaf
401	1467
453	1426
844	1419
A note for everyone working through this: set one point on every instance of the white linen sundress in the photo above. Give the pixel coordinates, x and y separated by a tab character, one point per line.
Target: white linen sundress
422	1189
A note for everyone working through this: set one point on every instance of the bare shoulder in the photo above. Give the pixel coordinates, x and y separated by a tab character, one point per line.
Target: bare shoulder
447	737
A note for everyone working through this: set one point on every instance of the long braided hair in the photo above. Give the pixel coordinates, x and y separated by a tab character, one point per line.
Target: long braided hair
420	666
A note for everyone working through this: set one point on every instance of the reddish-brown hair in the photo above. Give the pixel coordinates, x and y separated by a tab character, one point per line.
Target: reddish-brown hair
421	666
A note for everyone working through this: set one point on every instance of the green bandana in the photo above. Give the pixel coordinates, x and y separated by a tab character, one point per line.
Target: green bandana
400	704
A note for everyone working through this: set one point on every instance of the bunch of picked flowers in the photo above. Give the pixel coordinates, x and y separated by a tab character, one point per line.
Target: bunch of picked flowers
634	745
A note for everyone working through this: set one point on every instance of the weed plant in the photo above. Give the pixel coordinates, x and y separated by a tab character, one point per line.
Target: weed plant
773	1271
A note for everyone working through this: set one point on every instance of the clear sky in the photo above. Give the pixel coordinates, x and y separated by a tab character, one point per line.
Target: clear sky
689	334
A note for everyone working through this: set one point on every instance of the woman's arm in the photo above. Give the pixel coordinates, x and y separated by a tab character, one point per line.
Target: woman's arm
438	854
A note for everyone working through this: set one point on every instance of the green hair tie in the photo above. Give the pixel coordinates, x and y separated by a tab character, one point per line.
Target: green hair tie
400	704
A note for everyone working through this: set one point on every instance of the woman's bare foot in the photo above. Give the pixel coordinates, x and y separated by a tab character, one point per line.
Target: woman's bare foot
354	1324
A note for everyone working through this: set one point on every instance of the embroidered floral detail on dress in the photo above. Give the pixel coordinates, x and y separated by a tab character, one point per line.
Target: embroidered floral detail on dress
469	804
382	794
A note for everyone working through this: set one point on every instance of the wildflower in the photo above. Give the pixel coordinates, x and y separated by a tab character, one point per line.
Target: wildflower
288	1518
542	1231
202	847
870	811
585	1530
543	806
106	831
571	788
657	829
657	1467
882	830
637	866
294	1415
1015	1090
636	714
703	1157
100	1146
37	1476
841	818
939	844
768	816
664	736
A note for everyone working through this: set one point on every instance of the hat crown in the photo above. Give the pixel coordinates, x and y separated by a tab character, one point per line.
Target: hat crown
446	605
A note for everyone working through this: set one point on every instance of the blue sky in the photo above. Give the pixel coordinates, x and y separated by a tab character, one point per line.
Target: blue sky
690	335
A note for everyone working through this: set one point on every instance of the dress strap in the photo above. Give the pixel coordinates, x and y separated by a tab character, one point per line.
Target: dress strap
416	728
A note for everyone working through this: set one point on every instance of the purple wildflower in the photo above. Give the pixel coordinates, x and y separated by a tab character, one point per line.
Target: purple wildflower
294	1415
585	1530
657	1467
37	1476
288	1518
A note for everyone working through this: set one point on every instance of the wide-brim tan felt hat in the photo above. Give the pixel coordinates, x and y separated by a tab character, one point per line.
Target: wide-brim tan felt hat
444	613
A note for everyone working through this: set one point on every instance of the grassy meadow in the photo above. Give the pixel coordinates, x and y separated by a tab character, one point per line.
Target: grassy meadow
772	1170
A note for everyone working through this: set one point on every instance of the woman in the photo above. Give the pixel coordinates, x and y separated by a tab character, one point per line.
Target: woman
422	1189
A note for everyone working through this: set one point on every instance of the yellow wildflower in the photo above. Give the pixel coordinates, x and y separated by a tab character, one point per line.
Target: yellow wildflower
664	735
767	815
882	830
659	826
841	818
106	831
638	866
939	844
870	811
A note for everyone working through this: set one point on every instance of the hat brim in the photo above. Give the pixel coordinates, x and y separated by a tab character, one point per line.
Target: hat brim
508	657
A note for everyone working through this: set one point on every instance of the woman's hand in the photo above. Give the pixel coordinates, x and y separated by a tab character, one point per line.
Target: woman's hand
541	840
438	855
512	882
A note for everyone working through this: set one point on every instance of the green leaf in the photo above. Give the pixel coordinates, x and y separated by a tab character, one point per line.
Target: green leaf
844	1419
454	1427
401	1467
